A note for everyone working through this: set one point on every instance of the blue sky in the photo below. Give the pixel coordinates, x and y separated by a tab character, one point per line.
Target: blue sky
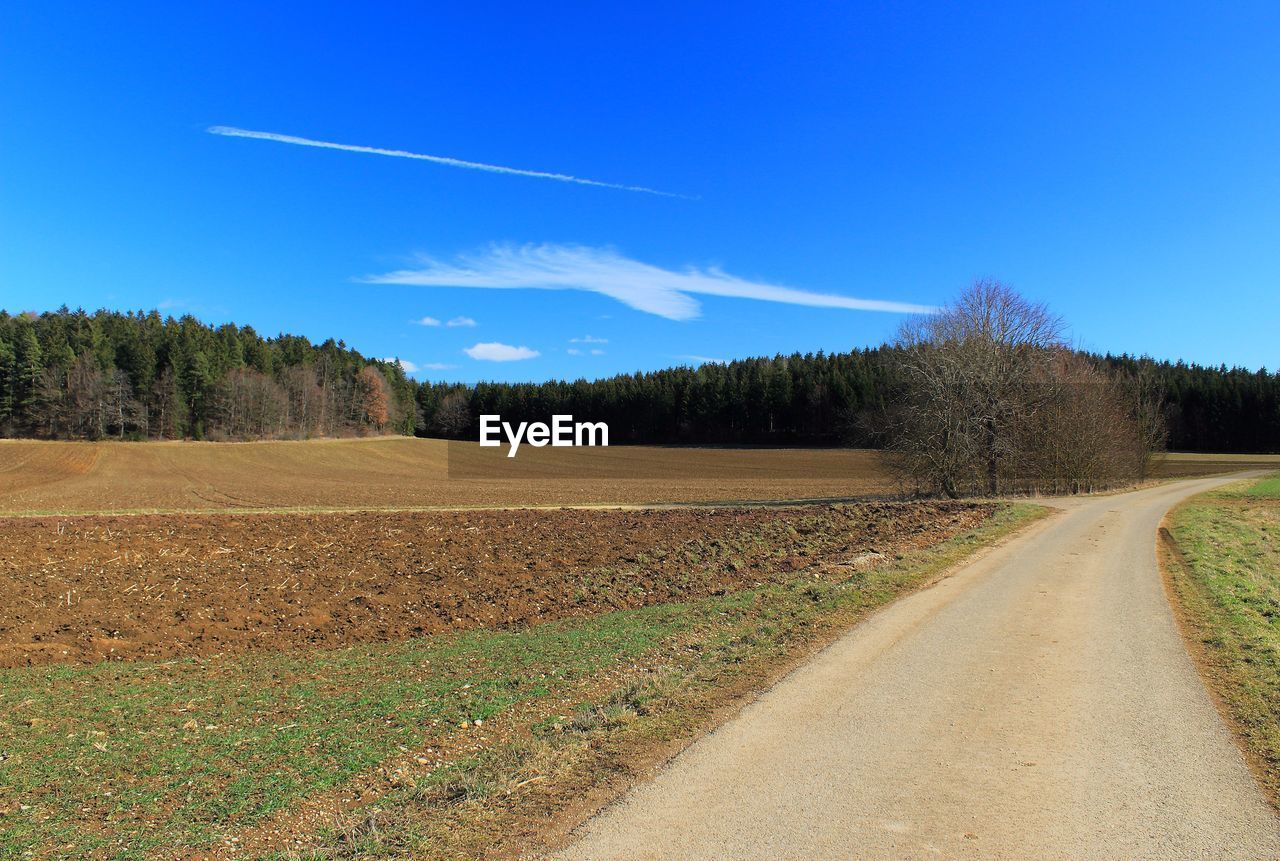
1122	165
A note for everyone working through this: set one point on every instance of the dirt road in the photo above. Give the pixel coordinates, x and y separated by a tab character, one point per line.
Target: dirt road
1039	704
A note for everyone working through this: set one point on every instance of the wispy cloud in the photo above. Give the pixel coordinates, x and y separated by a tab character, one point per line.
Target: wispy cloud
642	286
703	360
492	351
437	366
588	339
460	321
427	321
233	132
574	351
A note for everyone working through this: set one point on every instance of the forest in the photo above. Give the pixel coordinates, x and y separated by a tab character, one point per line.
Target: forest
139	375
71	375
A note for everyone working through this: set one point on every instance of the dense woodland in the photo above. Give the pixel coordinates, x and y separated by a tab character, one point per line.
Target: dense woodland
71	375
824	399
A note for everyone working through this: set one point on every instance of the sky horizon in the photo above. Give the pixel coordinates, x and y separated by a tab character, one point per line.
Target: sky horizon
508	194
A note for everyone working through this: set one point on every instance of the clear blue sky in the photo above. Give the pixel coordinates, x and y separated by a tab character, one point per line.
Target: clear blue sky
1123	166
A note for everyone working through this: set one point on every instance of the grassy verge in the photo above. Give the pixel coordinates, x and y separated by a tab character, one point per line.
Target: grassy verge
1224	569
443	748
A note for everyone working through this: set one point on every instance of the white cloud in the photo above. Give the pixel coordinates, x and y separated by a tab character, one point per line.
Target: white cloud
644	287
492	351
232	132
427	321
597	352
437	366
587	339
409	367
574	351
703	360
460	321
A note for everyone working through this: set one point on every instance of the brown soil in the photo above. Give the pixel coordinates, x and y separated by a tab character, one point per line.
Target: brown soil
83	589
404	473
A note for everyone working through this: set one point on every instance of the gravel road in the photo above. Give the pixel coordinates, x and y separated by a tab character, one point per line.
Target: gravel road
1040	704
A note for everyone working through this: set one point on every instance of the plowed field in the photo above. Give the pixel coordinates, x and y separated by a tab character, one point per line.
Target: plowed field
83	589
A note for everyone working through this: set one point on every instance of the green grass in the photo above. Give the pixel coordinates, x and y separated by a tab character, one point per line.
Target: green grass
1229	587
144	760
1269	487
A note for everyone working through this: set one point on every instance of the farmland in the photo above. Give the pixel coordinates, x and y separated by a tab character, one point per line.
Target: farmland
246	685
155	586
403	473
394	647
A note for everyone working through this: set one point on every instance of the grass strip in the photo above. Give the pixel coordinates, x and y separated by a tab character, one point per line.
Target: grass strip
1224	570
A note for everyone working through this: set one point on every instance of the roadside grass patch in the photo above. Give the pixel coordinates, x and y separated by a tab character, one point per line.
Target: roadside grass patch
1226	575
1269	488
443	747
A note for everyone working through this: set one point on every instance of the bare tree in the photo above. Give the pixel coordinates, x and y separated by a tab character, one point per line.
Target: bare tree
166	401
969	375
86	397
1146	399
991	399
453	417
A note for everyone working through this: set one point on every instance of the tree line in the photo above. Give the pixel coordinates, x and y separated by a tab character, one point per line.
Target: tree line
68	374
833	398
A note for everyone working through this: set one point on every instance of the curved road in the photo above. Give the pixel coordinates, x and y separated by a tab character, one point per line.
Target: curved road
1040	704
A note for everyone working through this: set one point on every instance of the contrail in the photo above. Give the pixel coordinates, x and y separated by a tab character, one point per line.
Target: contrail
232	132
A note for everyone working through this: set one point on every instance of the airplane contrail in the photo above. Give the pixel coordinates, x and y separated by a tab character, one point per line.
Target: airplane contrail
233	132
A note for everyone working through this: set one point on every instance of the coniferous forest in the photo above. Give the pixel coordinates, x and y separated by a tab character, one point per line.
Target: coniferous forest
73	375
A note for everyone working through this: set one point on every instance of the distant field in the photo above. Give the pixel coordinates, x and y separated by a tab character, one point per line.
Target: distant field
400	473
404	473
1182	465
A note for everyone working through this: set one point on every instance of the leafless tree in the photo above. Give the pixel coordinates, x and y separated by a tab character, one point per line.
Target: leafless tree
991	399
969	376
453	417
165	403
86	393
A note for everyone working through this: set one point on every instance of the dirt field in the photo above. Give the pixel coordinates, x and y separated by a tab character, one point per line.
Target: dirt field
84	589
400	473
403	473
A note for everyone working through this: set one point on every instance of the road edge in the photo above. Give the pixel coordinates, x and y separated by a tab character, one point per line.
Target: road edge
562	829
